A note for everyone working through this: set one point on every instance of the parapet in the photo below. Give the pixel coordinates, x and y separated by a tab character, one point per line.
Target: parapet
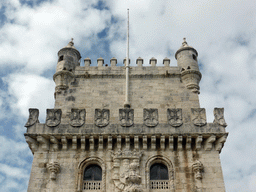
196	133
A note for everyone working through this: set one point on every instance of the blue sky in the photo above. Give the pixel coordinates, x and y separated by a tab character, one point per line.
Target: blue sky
222	31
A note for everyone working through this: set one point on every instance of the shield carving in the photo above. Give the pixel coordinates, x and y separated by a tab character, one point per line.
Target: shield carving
53	117
126	117
33	117
150	117
77	117
101	117
219	117
198	116
174	117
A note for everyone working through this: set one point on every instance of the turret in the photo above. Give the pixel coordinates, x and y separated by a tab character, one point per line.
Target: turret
187	60
68	58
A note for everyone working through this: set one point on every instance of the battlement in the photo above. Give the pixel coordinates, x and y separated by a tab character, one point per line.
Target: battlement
139	62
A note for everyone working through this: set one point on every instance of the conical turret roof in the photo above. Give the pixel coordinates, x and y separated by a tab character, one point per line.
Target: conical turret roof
185	46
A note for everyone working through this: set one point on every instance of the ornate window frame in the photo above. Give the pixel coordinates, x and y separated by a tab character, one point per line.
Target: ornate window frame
159	159
90	161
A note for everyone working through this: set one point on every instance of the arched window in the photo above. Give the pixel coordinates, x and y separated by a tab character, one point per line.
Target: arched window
159	178
92	177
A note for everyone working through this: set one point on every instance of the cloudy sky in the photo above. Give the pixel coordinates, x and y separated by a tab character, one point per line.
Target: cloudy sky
222	31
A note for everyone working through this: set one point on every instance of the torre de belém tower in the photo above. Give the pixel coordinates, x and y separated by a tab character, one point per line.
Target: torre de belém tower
158	141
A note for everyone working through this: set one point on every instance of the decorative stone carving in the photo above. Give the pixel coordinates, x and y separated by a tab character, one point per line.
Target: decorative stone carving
197	168
198	116
219	117
101	117
126	176
77	117
53	117
126	117
33	117
54	168
150	117
175	117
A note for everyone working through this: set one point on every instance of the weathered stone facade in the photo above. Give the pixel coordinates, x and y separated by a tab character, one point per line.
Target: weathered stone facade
90	129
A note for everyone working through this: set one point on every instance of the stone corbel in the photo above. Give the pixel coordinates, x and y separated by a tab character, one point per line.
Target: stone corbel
188	143
220	142
209	142
74	142
32	143
83	142
171	143
100	143
180	138
197	169
199	140
45	142
162	142
153	142
55	142
64	142
54	168
136	142
145	142
91	142
109	142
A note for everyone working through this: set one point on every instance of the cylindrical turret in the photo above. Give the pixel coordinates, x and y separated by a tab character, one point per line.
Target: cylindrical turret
68	58
187	59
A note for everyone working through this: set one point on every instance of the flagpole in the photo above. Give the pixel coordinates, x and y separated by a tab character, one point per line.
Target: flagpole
126	103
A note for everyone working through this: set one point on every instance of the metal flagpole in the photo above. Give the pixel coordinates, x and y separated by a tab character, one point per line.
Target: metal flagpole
126	103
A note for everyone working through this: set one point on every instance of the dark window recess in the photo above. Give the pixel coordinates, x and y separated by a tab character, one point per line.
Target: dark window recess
194	57
93	173
159	171
61	58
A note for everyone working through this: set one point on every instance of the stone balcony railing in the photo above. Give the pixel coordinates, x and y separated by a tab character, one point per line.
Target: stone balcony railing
160	185
92	186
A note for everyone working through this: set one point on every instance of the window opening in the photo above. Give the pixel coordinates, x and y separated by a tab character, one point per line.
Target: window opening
92	178
159	171
194	57
61	58
93	173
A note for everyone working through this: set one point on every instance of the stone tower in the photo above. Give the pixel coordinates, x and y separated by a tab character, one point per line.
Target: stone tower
91	142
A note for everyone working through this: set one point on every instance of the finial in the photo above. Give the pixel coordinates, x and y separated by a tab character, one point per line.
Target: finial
185	44
71	43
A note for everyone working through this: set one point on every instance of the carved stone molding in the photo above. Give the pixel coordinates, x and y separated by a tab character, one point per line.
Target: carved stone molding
33	117
101	117
77	117
54	168
174	117
126	117
197	169
53	117
219	116
198	116
150	117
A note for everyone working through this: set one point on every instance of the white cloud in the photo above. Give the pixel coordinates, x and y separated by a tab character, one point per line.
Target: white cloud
28	91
